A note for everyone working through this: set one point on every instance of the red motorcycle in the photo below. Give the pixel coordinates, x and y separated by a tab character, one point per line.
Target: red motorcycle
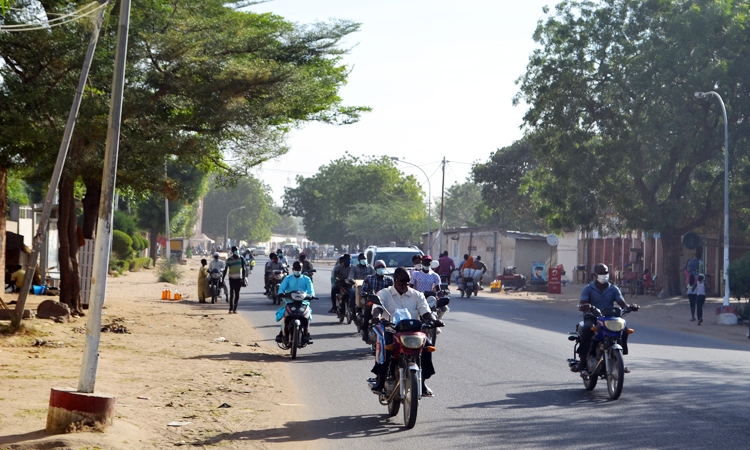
403	383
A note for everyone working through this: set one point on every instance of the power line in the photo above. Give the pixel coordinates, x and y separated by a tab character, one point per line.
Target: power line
82	12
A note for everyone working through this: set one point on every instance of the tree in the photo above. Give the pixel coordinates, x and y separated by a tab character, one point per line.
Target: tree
506	199
620	140
285	224
460	204
348	186
253	223
215	87
398	221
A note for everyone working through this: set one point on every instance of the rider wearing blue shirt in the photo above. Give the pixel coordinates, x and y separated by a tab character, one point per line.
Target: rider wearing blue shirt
294	282
599	294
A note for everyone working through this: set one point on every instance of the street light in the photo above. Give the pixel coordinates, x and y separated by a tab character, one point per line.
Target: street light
429	195
726	191
226	244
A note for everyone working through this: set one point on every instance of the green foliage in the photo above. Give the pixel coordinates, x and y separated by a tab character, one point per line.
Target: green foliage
399	221
285	224
118	266
620	140
16	191
123	222
339	190
139	242
739	277
169	271
122	245
253	223
139	263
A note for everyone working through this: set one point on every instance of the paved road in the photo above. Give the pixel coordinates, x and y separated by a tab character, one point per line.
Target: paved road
502	382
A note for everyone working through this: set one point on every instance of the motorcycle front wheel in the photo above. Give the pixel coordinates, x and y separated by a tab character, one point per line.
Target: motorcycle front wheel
616	374
411	401
295	342
214	293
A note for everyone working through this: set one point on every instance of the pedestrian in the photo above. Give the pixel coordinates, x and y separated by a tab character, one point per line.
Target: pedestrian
203	290
700	296
237	270
446	267
692	296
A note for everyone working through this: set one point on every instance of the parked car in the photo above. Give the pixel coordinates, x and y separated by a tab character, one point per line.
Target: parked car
260	251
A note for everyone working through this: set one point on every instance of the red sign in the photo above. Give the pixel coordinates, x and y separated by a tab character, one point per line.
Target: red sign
554	281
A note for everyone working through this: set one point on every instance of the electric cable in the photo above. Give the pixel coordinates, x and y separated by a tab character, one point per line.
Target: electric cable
62	20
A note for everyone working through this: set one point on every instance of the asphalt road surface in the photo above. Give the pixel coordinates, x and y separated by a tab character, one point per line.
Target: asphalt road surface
502	382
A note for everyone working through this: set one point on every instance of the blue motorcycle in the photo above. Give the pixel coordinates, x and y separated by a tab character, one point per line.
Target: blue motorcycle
608	345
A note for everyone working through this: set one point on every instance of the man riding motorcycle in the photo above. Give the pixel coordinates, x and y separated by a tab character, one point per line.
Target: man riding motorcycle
372	285
306	265
360	271
401	296
294	282
340	277
219	265
425	279
272	264
599	294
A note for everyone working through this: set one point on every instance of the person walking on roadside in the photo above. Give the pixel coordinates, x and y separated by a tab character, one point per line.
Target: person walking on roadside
692	284
700	296
237	272
203	291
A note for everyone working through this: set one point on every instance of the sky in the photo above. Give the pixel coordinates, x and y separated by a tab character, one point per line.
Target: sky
439	76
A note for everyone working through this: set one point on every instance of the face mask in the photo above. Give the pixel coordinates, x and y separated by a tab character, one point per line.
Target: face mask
380	272
418	267
425	269
276	260
362	262
346	263
235	253
603	278
216	258
297	273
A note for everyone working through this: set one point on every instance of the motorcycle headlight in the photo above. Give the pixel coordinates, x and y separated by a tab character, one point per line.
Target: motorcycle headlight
614	324
413	341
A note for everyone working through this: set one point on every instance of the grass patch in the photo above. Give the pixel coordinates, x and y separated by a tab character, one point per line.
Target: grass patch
22	330
169	271
40	412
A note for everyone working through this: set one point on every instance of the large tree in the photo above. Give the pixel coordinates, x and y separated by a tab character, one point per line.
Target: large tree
621	141
253	223
349	186
212	86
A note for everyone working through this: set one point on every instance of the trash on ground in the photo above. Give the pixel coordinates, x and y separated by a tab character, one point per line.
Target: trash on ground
177	423
225	405
221	339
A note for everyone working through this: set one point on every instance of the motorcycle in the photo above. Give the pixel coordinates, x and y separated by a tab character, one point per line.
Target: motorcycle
438	302
403	383
343	310
606	351
214	284
309	273
467	284
298	314
511	279
276	278
359	309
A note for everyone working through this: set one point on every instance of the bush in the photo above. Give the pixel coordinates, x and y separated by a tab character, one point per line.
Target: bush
169	271
118	266
137	245
122	245
144	242
139	263
739	277
123	222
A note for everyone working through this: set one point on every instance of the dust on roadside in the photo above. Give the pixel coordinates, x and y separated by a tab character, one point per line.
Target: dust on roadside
183	363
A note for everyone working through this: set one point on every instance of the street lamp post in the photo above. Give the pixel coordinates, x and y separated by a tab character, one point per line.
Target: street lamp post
429	195
226	237
726	191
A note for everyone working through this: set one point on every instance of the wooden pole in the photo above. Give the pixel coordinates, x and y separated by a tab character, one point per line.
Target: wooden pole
62	154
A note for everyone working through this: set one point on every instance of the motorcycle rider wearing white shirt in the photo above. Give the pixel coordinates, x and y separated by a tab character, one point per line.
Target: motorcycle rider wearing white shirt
216	263
401	296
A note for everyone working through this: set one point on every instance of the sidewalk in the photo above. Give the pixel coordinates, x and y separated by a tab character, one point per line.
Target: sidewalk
672	313
173	365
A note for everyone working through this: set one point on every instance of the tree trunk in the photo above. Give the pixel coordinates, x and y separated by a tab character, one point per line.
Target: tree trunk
70	281
91	208
3	210
153	234
672	244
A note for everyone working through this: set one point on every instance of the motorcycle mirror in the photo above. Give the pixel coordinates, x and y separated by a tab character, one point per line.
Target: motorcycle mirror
442	302
435	264
429	294
374	299
443	286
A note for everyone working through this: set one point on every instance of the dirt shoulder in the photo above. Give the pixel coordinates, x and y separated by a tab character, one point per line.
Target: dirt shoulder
671	313
172	365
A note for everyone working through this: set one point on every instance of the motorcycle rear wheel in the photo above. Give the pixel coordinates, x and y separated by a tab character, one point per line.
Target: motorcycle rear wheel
411	400
295	342
349	315
590	383
616	374
214	293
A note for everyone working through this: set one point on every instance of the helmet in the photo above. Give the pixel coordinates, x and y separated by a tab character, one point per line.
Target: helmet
601	269
379	264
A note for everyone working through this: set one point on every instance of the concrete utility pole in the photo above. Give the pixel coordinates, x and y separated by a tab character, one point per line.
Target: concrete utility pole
167	250
442	201
87	377
41	232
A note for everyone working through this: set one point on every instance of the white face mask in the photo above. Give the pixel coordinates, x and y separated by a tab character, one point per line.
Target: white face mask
603	278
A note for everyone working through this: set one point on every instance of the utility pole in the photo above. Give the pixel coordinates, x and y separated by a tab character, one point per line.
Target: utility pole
167	255
442	201
62	154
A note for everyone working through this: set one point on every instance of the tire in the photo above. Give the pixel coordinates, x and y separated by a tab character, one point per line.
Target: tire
394	405
468	293
348	315
214	293
616	374
411	401
590	383
295	342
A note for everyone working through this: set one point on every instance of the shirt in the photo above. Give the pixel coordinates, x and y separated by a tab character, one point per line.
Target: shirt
446	266
592	295
700	289
373	283
341	272
235	267
481	266
359	272
216	264
271	266
411	300
301	283
425	281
